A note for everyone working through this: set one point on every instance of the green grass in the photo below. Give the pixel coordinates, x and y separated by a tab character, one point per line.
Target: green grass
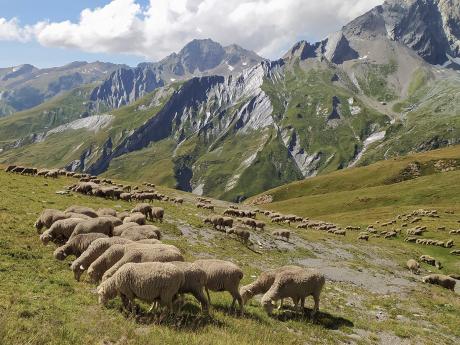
41	303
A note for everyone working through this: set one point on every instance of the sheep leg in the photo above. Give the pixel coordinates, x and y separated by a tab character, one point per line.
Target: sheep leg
237	297
199	295
281	304
302	305
207	293
316	307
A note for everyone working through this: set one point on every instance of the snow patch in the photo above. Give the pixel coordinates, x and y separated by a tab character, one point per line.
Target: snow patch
198	190
378	136
91	123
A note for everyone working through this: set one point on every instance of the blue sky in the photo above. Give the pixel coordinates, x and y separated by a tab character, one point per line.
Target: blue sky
49	33
33	11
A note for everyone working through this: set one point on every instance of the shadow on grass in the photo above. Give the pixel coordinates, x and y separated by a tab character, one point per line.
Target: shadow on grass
227	310
189	319
324	319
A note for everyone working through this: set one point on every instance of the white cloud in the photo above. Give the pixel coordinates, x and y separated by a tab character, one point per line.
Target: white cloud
266	26
10	30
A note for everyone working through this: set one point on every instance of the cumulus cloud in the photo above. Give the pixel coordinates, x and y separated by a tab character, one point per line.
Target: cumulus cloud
123	26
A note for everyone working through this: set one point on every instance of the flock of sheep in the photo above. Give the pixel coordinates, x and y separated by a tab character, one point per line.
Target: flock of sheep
125	255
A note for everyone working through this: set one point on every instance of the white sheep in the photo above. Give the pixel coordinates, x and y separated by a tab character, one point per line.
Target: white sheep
95	250
222	276
136	217
263	283
136	252
148	281
76	245
60	231
83	210
48	217
100	225
295	284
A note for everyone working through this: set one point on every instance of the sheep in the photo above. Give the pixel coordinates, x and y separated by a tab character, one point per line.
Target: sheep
440	279
9	168
158	213
296	284
83	210
428	259
141	232
123	215
148	281
263	283
76	245
283	234
48	217
136	252
145	209
455	252
137	217
105	261
413	266
363	236
216	221
260	225
126	196
454	232
95	249
227	222
241	234
77	215
99	225
106	212
222	276
194	282
249	222
118	230
60	231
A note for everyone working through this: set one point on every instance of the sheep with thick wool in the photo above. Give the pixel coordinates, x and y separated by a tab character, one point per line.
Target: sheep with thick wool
141	232
136	252
441	280
222	276
145	209
60	231
148	281
136	217
95	250
48	217
263	283
295	284
194	282
76	245
106	212
118	230
83	210
99	225
413	266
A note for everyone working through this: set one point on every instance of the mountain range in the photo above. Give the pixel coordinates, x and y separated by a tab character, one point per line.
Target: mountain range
224	122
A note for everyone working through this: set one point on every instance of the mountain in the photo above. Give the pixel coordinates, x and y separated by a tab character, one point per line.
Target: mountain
197	58
356	97
25	86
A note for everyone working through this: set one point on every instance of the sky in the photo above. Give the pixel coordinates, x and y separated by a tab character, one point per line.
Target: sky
49	33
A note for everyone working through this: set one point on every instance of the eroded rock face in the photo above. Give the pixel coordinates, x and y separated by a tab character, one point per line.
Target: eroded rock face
430	27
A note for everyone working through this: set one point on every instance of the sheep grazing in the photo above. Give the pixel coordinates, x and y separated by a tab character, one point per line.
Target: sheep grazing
249	222
99	225
295	284
227	222
455	232
260	225
136	252
76	245
60	231
363	236
95	249
428	259
48	217
158	213
215	221
114	220
241	234
441	280
118	230
83	210
222	276
145	209
106	212
148	281
123	215
137	217
413	266
77	215
10	168
106	260
285	235
126	196
141	232
179	201
194	282
263	283
455	252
